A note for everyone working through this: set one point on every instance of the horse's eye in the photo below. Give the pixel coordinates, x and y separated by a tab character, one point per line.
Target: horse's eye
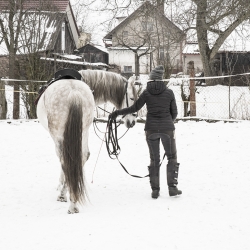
132	99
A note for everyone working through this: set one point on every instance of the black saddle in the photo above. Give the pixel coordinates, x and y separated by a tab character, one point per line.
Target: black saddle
60	74
67	74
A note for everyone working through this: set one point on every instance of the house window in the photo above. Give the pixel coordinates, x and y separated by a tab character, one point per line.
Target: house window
125	34
150	26
98	57
147	26
161	54
127	69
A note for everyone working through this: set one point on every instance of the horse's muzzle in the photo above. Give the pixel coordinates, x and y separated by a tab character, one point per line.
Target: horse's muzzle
130	124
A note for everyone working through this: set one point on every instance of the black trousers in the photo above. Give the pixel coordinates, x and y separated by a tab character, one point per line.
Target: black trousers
168	141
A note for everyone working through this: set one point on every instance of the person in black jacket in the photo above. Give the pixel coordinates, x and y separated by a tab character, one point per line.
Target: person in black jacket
159	126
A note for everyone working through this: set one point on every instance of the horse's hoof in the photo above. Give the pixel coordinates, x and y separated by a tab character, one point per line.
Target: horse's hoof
62	199
75	210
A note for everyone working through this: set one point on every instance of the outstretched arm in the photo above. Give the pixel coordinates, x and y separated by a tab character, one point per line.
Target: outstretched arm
132	109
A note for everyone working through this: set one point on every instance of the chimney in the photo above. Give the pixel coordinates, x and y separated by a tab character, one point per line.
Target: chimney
160	6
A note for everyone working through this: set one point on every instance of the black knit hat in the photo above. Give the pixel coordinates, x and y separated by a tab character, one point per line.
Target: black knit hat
157	73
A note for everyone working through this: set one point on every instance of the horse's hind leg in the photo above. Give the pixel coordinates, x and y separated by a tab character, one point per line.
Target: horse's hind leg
73	208
62	188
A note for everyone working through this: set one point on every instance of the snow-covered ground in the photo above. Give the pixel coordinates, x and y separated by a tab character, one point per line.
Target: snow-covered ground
212	212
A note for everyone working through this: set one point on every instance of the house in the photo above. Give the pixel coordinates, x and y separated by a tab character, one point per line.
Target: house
144	39
232	58
93	53
46	27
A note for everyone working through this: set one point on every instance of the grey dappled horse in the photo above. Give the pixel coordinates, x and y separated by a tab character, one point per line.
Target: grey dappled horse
66	110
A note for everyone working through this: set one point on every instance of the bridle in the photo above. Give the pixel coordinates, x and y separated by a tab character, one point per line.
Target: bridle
126	95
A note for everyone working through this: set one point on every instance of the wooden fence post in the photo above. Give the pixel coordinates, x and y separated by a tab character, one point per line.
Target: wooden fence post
192	88
3	104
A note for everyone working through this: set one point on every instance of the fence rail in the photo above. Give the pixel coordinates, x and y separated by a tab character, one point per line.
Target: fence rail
212	102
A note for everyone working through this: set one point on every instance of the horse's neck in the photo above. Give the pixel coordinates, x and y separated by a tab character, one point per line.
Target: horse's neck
101	101
103	88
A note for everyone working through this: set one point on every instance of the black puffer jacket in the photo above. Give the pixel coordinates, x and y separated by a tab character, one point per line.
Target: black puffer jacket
161	107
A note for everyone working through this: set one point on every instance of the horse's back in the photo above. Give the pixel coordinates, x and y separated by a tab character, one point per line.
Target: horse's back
53	106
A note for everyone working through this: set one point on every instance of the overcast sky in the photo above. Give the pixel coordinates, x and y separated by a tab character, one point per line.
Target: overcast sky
92	20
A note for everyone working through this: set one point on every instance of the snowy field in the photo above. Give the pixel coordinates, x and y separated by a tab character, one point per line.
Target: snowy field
212	213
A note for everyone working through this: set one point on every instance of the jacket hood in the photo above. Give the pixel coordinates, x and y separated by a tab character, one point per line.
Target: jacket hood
156	87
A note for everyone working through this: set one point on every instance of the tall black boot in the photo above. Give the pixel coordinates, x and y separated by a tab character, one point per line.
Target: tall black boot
172	178
154	177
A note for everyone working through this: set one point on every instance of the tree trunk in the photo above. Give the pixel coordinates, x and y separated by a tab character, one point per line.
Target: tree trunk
202	40
137	65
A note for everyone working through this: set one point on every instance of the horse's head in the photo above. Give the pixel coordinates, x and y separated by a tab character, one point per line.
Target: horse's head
129	98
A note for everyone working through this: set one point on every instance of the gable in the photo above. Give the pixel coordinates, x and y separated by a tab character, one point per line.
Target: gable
145	11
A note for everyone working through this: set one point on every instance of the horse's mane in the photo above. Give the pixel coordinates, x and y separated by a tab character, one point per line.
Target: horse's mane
107	86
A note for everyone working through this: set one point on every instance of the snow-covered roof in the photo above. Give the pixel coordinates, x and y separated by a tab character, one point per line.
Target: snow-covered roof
101	48
59	5
71	57
75	62
125	48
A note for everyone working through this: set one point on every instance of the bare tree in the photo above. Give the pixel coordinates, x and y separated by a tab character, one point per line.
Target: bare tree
26	29
10	25
213	22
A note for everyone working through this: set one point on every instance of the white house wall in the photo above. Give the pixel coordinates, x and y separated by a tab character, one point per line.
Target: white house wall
127	58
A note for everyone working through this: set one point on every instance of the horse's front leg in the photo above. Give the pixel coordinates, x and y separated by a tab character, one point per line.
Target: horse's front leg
62	187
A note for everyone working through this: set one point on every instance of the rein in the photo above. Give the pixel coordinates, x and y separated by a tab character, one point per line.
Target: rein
111	139
112	145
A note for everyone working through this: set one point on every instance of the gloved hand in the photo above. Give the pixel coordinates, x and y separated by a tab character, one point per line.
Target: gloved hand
113	115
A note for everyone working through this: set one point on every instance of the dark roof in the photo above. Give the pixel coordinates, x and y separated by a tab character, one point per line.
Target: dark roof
147	5
59	5
97	47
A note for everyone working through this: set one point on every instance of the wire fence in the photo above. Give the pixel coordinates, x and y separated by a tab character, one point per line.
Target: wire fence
212	102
